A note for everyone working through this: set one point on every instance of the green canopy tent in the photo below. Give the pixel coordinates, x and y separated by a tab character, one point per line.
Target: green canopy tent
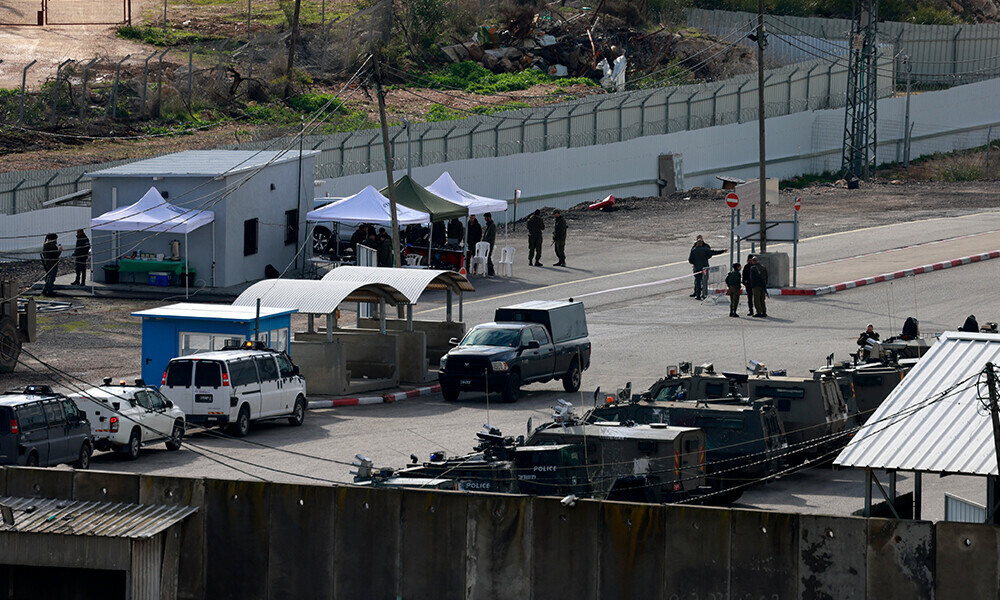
411	194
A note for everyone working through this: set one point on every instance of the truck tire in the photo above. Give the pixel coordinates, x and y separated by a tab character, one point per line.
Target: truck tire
242	425
450	393
298	412
571	380
83	461
10	345
176	436
513	388
322	240
131	450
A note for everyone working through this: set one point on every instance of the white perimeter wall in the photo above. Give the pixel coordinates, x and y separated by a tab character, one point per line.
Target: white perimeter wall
806	142
21	235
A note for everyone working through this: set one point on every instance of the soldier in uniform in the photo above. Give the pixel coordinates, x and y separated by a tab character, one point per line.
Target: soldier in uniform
490	237
866	340
758	281
746	283
535	227
559	237
51	251
81	254
733	282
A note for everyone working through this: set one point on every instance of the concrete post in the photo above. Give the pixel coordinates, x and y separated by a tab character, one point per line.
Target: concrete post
381	315
329	328
448	313
409	317
311	323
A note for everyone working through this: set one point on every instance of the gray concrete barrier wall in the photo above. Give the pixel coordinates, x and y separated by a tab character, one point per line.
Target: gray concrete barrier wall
438	334
272	540
330	367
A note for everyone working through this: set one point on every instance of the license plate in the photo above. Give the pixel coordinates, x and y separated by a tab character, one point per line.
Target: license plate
464	382
207	398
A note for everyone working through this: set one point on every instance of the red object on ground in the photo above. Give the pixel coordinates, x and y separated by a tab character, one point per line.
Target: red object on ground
732	200
606	203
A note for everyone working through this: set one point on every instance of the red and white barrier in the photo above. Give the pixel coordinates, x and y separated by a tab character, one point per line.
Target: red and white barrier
839	287
383	399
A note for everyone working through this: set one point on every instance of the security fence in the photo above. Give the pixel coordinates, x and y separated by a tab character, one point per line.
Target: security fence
937	54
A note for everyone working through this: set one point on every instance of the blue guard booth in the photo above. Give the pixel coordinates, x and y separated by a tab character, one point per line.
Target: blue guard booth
189	328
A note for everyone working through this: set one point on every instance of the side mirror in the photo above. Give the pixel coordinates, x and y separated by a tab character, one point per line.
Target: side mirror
532	345
453	341
295	370
169	404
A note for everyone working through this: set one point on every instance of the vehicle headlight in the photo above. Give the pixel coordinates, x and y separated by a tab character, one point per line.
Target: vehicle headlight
442	362
499	365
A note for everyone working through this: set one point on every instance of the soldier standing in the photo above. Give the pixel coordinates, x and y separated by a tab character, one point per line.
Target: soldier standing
81	254
535	228
758	281
51	251
559	237
490	237
733	282
746	283
867	340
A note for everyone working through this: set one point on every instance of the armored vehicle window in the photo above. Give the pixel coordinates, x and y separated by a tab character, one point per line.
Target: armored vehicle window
242	372
207	373
179	373
267	368
773	391
54	413
30	416
670	393
715	389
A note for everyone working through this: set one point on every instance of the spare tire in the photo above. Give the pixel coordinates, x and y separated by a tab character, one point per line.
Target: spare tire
10	345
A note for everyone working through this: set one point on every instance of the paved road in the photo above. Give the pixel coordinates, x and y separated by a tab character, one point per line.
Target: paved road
637	332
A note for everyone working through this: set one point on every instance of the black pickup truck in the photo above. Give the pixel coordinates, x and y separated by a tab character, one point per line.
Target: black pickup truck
530	342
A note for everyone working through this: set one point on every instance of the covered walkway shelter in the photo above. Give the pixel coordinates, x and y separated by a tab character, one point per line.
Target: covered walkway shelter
936	421
423	343
335	361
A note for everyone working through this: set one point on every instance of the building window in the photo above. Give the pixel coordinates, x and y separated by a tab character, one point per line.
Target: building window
194	343
250	237
291	226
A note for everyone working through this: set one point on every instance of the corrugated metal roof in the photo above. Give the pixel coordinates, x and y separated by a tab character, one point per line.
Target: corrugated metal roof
201	163
934	421
194	310
320	297
411	282
105	519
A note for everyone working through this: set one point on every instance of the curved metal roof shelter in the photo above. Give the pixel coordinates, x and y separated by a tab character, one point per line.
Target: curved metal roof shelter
410	282
318	297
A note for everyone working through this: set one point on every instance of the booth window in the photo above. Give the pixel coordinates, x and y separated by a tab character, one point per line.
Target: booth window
291	226
249	237
193	343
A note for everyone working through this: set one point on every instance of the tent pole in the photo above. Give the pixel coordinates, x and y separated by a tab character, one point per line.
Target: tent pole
186	252
213	252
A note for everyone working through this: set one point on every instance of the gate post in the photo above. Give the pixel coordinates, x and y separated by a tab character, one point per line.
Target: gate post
24	79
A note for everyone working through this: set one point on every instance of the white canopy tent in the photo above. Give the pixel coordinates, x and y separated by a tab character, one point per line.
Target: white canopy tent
446	187
367	206
153	213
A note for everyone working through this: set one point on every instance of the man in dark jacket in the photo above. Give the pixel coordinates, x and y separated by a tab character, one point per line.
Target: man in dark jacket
475	235
733	281
535	226
384	249
868	338
81	254
746	283
490	237
51	251
455	232
559	237
698	257
758	283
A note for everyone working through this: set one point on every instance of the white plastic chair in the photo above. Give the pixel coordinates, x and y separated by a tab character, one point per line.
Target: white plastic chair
480	258
506	263
414	259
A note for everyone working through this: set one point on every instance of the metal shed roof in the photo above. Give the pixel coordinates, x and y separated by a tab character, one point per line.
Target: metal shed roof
212	312
320	297
201	163
934	421
411	282
104	519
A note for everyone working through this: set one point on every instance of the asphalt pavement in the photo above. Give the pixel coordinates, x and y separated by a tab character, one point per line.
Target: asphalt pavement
641	321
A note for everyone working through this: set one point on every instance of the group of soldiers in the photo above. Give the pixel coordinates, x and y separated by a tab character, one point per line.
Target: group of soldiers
753	278
536	225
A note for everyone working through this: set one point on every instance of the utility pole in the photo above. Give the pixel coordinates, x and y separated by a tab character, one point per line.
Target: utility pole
291	49
388	161
991	382
761	42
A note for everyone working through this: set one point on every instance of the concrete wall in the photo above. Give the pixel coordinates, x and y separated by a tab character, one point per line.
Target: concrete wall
24	233
308	541
335	368
804	142
437	334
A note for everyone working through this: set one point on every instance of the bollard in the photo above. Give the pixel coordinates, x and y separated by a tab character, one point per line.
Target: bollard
24	79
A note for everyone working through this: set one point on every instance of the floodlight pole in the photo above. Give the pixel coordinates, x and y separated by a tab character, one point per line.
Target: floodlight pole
760	125
388	162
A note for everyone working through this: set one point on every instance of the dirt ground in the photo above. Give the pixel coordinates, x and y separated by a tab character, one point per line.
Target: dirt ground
99	339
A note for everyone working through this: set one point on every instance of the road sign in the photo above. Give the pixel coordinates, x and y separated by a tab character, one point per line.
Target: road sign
732	200
777	231
798	204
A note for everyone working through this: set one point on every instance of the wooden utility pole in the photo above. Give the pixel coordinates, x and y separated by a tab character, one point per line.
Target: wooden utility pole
388	161
760	125
291	49
991	382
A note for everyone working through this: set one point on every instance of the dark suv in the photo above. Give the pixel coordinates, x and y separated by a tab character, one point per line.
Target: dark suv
39	428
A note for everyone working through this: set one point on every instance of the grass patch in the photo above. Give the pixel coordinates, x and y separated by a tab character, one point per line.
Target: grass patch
158	36
962	172
474	78
804	181
439	112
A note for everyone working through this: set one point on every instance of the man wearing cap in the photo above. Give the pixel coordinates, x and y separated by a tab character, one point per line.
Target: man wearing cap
867	339
698	257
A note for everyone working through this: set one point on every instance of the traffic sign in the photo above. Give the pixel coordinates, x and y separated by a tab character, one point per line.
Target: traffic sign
732	200
798	204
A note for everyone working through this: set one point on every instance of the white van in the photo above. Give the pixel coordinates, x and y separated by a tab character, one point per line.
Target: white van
235	387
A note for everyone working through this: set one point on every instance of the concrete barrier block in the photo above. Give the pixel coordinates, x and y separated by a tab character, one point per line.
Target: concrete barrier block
633	550
183	491
900	559
967	560
36	482
97	486
433	544
566	549
498	547
366	537
237	529
301	542
703	573
764	556
832	557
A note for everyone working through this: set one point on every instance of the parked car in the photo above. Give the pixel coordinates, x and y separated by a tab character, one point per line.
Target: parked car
533	341
40	428
236	386
124	418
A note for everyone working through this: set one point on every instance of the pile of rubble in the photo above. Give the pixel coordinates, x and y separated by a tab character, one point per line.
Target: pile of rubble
600	47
